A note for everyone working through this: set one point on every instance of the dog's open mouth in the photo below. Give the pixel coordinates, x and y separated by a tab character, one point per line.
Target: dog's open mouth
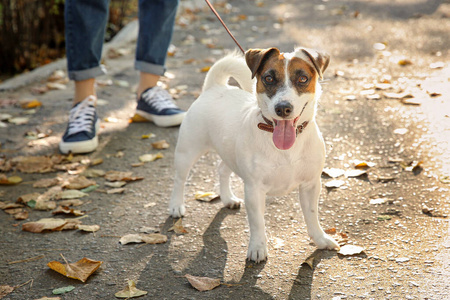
284	133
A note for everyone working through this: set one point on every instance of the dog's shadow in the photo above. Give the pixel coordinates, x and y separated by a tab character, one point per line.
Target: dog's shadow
162	281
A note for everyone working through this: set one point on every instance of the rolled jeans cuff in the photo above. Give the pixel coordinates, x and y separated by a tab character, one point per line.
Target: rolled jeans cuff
87	73
149	68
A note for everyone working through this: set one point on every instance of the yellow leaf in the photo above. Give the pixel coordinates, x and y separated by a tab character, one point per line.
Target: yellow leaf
10	180
138	119
206	197
160	145
130	291
80	270
178	227
150	157
205	69
30	104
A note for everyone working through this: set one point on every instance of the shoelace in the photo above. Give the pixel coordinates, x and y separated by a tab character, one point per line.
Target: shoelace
158	98
82	116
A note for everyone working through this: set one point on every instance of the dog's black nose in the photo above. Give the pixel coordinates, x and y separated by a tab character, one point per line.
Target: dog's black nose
283	109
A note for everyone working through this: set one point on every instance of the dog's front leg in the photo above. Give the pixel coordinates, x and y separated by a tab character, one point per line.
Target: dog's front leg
309	200
255	201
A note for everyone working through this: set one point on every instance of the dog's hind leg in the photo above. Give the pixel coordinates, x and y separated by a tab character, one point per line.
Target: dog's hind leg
226	194
185	157
309	198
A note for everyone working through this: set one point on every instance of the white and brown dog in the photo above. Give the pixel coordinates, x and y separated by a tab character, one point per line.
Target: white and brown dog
268	137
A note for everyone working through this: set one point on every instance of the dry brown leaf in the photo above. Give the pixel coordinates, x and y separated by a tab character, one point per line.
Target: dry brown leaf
115	184
45	205
116	191
150	157
202	283
162	144
23	215
117	175
78	183
43	225
310	262
5	290
178	227
13	211
33	164
65	210
46	182
89	228
71	194
152	238
330	230
9	180
130	291
49	298
80	270
71	202
92	173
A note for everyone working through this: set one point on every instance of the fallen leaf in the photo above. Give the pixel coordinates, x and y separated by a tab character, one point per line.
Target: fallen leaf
78	183
334	183
92	173
349	250
205	69
43	225
32	164
18	120
56	86
80	270
116	191
162	144
5	290
27	198
46	182
89	228
384	218
147	136
178	227
205	197
411	166
330	230
43	205
130	291
138	119
63	290
310	262
402	95
23	215
202	283
65	210
115	184
404	62
90	188
355	173
120	176
333	172
72	194
27	104
49	298
152	238
150	157
9	180
359	164
71	202
12	211
96	162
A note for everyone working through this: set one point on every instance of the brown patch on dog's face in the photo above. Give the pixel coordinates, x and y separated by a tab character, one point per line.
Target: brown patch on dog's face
271	77
302	76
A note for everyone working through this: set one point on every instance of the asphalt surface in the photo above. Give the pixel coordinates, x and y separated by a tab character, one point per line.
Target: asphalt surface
401	44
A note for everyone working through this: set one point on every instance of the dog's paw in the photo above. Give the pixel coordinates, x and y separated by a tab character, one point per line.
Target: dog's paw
233	202
257	252
326	242
177	211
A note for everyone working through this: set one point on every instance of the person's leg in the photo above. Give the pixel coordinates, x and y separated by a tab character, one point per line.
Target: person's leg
85	24
156	22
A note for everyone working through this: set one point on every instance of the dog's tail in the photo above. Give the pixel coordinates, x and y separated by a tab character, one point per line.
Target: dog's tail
232	65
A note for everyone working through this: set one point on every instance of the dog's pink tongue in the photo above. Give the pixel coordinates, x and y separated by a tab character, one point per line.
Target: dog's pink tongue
284	134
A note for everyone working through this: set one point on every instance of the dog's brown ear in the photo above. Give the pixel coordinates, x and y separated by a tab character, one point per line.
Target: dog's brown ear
320	60
256	58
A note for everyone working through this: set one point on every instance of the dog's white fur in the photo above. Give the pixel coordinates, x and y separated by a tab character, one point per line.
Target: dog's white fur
224	118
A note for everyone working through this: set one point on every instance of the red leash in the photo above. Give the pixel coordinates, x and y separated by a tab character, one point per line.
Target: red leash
225	26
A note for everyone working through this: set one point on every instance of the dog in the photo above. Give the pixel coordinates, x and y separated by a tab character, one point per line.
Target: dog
264	131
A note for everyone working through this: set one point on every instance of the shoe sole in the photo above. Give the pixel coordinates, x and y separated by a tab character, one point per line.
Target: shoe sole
80	147
163	121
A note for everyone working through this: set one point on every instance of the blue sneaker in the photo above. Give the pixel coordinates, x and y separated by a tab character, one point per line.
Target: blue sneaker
82	129
156	105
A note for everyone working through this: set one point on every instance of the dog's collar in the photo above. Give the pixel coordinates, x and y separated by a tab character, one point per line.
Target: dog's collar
268	126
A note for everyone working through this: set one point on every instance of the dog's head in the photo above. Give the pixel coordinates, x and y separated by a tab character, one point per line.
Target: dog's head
287	87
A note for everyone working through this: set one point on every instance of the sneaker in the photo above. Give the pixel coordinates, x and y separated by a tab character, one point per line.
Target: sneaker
82	129
156	105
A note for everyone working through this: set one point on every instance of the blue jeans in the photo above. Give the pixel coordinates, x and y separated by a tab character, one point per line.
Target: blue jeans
86	21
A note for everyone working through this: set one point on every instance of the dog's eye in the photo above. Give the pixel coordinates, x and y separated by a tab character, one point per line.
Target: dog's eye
268	79
302	79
